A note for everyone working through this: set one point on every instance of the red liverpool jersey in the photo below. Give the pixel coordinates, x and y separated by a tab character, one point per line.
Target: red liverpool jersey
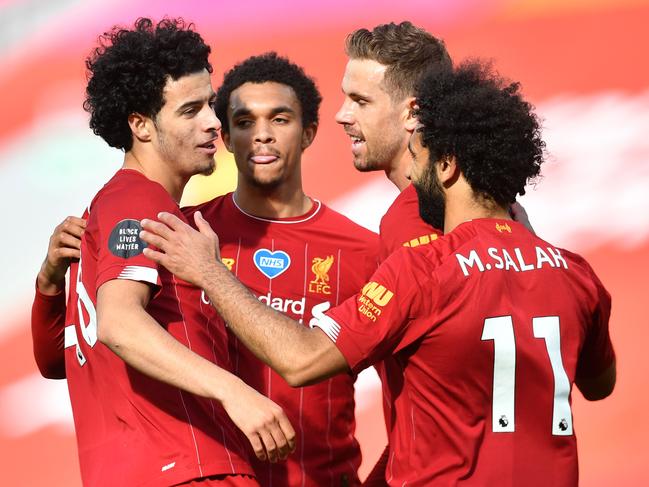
401	226
131	429
489	327
301	266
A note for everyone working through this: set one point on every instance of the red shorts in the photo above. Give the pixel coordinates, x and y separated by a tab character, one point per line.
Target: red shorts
223	481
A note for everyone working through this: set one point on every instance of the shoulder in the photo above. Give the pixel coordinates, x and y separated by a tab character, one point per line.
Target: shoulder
132	190
129	196
406	203
345	227
214	205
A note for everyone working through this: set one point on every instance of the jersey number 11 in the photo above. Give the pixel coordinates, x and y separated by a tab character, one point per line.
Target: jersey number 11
501	331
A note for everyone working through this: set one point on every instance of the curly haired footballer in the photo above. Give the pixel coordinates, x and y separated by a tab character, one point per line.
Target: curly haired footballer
128	71
473	115
269	67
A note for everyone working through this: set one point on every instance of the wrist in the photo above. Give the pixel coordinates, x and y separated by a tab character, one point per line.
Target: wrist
48	283
210	274
226	387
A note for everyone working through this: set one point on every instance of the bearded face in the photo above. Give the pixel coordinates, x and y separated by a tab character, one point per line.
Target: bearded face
432	202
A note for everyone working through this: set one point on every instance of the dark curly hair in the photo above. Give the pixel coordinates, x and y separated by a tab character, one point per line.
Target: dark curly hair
473	115
269	67
408	52
129	69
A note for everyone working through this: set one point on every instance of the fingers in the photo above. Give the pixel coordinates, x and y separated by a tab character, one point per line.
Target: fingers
66	253
72	241
202	224
154	255
257	446
171	220
281	441
269	444
288	431
154	239
156	228
277	435
74	226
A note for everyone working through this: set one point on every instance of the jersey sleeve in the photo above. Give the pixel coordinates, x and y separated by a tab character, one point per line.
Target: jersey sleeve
384	317
597	353
48	332
118	246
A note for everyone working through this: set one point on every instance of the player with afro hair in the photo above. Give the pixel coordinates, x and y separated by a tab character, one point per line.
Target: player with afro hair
471	114
129	69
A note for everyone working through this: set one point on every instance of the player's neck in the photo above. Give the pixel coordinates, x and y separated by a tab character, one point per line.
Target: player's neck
462	208
157	171
396	172
284	201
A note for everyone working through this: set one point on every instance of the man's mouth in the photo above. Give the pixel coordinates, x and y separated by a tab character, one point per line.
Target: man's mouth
263	158
209	147
357	142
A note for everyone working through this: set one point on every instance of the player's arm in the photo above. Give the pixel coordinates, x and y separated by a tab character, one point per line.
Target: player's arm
124	325
596	368
299	354
599	387
48	309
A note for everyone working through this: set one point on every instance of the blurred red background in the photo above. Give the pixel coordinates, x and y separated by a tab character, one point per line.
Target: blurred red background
582	63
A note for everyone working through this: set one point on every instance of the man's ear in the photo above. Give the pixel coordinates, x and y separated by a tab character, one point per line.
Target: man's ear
226	140
141	127
447	170
308	134
410	118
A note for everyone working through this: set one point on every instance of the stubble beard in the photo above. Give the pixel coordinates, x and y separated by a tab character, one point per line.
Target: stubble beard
380	157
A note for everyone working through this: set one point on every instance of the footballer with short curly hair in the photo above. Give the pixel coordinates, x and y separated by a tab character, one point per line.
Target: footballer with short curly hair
146	361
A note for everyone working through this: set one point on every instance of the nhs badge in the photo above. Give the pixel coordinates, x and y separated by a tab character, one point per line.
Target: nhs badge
271	264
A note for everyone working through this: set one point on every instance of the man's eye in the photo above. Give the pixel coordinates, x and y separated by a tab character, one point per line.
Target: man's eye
243	123
281	120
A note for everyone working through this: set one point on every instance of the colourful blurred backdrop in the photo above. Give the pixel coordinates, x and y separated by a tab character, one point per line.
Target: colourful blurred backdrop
583	63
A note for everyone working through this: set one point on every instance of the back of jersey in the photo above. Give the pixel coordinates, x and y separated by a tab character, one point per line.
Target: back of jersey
516	318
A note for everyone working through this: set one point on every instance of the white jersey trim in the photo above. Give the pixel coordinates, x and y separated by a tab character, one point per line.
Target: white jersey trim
328	325
139	273
270	220
69	337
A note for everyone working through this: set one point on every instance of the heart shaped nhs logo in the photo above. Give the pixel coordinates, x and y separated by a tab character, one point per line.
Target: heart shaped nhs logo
271	264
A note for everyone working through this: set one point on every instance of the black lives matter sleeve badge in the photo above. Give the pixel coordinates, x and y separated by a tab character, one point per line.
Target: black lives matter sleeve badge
124	240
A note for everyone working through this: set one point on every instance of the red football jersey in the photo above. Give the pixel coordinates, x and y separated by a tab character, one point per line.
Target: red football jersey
301	266
131	429
401	226
489	327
